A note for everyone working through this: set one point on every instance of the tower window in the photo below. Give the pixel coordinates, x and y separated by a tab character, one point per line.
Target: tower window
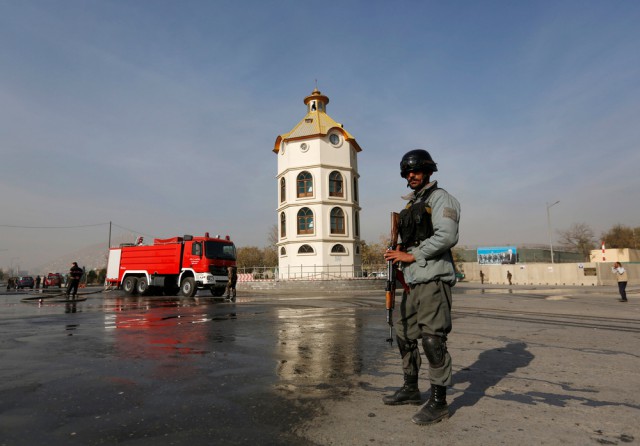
335	184
337	221
283	225
305	249
338	249
356	224
305	185
305	221
283	252
283	189
355	189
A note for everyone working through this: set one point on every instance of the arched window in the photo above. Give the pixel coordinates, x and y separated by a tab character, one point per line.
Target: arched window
335	184
305	221
305	184
355	189
283	252
358	249
356	223
283	225
338	249
283	189
305	249
337	221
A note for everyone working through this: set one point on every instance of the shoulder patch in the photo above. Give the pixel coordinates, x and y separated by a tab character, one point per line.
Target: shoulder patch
450	213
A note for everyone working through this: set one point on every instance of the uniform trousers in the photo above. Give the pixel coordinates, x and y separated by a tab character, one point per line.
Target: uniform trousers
425	310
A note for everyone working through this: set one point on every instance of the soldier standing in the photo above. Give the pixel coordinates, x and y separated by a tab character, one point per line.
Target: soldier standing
428	229
232	274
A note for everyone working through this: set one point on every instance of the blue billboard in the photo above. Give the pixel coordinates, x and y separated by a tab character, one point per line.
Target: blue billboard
497	255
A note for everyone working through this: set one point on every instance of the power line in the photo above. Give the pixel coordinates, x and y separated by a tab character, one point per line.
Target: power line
131	230
77	226
53	227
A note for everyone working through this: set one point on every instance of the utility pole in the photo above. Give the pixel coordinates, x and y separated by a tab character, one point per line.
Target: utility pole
549	227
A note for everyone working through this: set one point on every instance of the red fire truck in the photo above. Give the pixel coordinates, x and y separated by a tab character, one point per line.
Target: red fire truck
179	264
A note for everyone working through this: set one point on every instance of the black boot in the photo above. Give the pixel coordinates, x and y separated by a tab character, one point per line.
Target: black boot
407	394
436	408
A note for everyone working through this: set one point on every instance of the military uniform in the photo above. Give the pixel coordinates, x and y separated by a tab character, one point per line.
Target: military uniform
425	312
428	228
232	274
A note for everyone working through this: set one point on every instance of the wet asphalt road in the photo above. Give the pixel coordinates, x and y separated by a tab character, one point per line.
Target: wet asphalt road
531	365
113	369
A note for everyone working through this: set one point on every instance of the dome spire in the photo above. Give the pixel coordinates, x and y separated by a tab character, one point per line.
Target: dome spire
316	101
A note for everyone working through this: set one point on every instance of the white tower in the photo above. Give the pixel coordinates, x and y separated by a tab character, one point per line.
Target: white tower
318	210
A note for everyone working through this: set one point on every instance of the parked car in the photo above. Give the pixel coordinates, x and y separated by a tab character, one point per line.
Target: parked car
460	275
381	274
25	282
53	279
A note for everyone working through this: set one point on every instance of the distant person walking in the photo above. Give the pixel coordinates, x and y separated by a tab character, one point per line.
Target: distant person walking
621	275
75	274
37	282
509	276
481	277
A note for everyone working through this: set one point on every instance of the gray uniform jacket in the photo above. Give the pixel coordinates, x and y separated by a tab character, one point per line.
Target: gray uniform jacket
433	255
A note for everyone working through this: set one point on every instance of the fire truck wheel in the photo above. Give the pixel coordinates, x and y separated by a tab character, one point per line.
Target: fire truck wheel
142	286
129	285
188	287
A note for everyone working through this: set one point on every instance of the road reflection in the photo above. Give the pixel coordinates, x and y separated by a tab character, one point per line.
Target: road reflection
318	350
153	328
304	352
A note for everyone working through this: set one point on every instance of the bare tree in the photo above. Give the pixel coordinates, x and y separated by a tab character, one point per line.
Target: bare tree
270	256
580	237
250	257
372	254
272	235
621	236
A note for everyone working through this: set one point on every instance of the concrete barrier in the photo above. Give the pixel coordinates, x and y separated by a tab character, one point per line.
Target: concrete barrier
580	274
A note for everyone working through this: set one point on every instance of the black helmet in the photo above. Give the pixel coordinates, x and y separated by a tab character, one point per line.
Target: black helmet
417	160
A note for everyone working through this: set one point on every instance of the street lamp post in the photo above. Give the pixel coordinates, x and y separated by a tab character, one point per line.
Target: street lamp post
549	206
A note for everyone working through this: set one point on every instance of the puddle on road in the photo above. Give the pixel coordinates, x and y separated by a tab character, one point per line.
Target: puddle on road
309	351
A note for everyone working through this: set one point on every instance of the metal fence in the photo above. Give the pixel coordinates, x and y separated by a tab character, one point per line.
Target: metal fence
315	272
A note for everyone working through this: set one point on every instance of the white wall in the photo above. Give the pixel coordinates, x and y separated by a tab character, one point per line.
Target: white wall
548	274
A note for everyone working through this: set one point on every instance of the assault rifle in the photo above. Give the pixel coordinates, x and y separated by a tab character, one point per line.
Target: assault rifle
391	276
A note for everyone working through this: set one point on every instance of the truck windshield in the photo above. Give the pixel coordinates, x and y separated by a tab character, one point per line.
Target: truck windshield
219	250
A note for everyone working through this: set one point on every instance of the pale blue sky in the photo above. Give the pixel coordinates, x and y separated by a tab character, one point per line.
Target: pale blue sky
161	115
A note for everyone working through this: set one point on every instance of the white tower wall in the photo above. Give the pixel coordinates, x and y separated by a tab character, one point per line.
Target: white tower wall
319	149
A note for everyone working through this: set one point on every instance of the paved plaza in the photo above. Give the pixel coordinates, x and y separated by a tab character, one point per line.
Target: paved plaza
532	365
